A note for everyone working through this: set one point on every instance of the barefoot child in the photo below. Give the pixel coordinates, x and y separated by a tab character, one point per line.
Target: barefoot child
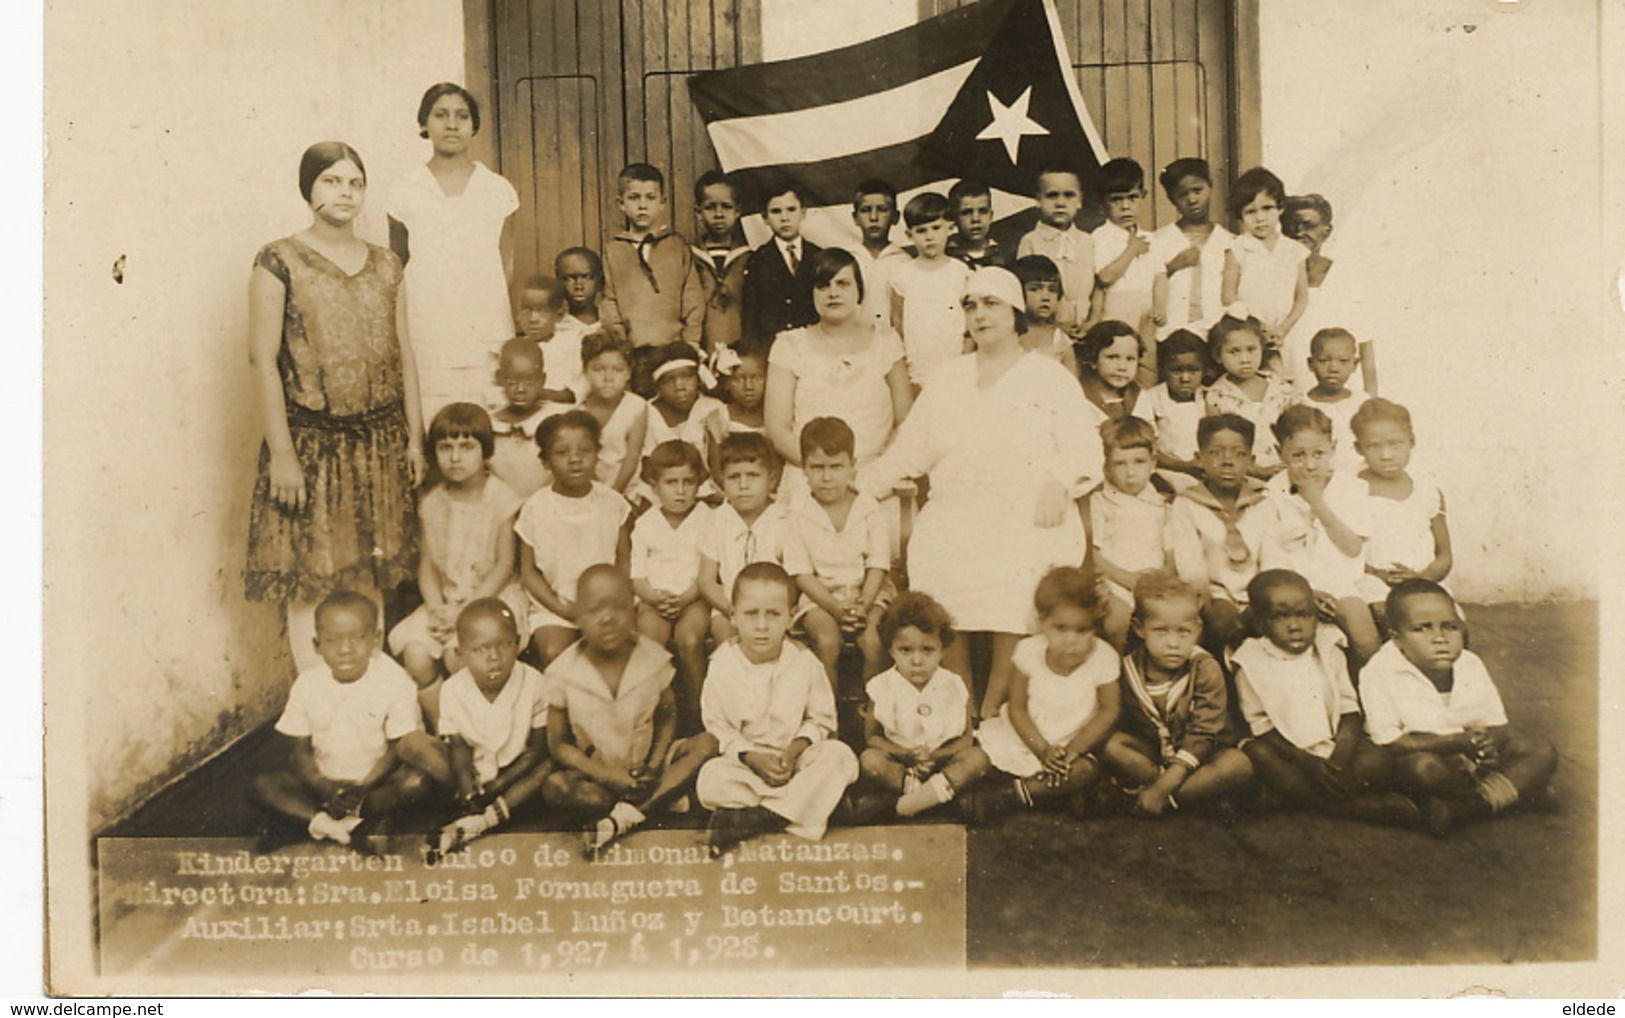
622	416
612	718
1128	519
1176	406
920	745
582	273
1410	536
1237	347
838	548
1309	744
1063	700
344	727
665	567
541	320
493	721
1433	704
575	523
467	553
1216	528
748	527
522	376
1041	286
768	703
1175	736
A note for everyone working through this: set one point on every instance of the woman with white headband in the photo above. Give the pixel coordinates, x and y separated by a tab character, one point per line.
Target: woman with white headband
1005	437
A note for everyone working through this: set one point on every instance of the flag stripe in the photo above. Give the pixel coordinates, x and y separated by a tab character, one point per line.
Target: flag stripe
839	129
1070	77
852	72
830	181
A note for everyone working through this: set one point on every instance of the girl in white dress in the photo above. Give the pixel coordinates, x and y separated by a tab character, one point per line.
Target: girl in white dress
1006	440
1263	269
1409	535
1064	700
679	411
622	415
450	222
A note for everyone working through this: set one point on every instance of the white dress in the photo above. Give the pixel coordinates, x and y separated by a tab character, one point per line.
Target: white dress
850	386
612	438
567	536
1401	532
1060	705
989	453
457	306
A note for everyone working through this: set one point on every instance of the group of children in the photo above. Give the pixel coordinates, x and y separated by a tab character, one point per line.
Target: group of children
1254	540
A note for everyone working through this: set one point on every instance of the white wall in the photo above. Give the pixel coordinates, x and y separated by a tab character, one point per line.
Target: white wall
174	132
1459	142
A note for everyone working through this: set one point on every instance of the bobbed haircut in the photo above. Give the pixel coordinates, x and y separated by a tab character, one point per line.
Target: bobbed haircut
1298	418
765	572
1038	268
1069	585
595	344
968	187
348	601
1211	425
926	207
463	420
827	262
439	92
1179	342
1317	343
1127	432
1228	326
669	455
1179	169
874	185
1101	336
828	435
487	608
1378	409
1162	585
1303	203
593	260
917	610
711	178
1405	591
1253	183
579	420
747	447
319	157
641	173
1118	176
1262	585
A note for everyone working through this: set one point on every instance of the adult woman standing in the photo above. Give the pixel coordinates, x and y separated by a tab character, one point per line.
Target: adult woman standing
1005	438
845	366
338	394
450	223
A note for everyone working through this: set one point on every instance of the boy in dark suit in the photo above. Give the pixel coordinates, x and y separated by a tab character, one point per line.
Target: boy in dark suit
778	286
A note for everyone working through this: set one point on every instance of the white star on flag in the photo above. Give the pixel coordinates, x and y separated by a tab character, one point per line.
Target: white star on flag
1011	123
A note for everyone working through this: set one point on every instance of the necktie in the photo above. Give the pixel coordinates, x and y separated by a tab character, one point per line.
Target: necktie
791	256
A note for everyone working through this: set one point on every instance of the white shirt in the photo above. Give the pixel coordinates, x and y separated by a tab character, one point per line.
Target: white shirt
497	730
1131	531
1176	422
1128	299
1302	696
839	558
767	706
733	545
1206	277
669	556
351	724
877	270
1399	699
618	726
1298	541
913	716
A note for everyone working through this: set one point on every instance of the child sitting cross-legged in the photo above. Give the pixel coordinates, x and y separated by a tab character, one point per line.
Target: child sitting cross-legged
1309	745
493	750
612	718
1432	703
768	703
918	722
346	722
1175	737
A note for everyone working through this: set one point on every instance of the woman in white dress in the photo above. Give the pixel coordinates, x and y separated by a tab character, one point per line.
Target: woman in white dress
1005	438
846	366
450	222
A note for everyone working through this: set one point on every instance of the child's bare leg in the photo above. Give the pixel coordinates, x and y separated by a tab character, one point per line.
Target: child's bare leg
429	702
1116	623
998	675
689	635
1281	773
551	641
1130	757
571	791
960	772
1226	770
881	769
956	657
678	776
824	633
1529	764
966	767
284	794
527	786
722	628
1430	774
1084	773
653	625
428	756
1361	628
404	786
874	655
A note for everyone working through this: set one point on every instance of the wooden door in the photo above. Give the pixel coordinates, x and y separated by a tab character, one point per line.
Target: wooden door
584	87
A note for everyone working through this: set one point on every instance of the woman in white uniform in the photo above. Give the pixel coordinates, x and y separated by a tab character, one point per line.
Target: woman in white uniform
1006	439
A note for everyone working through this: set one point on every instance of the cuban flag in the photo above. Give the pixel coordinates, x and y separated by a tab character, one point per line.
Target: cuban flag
984	91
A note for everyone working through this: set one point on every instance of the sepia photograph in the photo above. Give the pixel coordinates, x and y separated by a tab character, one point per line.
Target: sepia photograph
831	497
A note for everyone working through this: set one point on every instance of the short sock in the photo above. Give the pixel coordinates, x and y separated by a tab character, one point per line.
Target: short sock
932	792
